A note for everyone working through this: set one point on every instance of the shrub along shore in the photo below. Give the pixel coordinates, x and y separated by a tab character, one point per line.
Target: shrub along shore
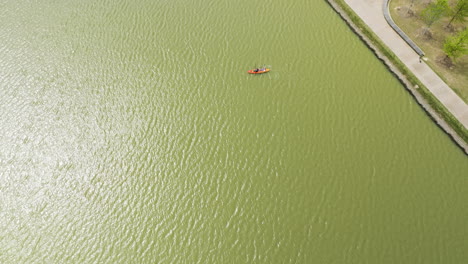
424	97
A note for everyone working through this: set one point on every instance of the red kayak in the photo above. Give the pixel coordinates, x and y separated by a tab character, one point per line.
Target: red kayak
258	71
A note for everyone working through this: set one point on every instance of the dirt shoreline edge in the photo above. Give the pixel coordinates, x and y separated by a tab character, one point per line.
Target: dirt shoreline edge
433	114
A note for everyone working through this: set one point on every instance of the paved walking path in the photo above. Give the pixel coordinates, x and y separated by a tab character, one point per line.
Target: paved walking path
371	12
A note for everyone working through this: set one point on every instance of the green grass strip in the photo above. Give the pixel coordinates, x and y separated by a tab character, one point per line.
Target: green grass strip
433	102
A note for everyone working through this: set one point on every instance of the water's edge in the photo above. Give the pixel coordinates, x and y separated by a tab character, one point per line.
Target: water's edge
433	114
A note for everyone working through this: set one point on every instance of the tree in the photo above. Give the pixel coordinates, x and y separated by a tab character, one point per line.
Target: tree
434	11
457	46
459	12
409	8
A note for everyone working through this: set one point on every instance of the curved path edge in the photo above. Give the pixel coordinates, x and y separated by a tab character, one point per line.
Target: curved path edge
400	32
421	100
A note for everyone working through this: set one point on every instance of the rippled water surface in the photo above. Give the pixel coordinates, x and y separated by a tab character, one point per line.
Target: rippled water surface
131	133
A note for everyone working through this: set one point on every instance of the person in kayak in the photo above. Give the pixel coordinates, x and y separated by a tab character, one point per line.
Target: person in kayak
256	70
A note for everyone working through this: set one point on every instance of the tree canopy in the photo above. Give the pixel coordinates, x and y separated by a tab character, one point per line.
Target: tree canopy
434	11
457	46
459	12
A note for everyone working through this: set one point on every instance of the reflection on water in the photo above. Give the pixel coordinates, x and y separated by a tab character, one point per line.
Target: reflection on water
131	133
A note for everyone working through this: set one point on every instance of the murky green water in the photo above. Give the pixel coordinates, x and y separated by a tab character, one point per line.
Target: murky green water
131	133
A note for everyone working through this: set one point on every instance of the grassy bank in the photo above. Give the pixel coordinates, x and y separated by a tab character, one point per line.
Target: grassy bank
407	77
406	15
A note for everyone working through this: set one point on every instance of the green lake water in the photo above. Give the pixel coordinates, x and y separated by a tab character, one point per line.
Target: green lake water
131	133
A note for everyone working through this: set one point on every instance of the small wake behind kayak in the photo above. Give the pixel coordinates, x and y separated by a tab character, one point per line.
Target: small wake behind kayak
258	71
